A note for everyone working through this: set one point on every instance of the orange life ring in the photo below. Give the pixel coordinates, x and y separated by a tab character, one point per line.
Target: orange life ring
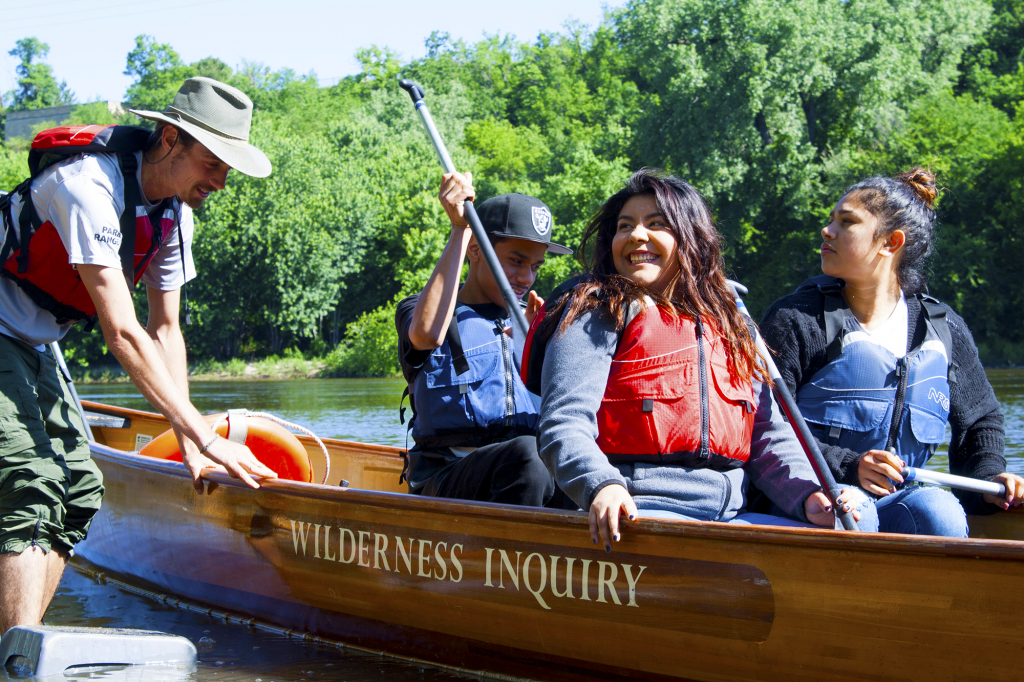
273	445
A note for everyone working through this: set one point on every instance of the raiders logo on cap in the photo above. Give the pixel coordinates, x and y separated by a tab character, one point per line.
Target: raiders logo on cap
541	219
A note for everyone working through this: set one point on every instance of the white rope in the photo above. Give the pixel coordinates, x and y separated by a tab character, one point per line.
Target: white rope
282	422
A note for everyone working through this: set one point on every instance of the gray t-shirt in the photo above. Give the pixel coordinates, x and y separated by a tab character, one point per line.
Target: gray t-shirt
84	197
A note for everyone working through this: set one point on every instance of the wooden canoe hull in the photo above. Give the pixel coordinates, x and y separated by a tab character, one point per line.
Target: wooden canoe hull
485	586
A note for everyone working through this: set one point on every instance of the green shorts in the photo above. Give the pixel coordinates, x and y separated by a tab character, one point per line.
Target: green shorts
49	486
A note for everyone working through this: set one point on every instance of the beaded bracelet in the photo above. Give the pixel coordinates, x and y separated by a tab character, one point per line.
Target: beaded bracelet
203	450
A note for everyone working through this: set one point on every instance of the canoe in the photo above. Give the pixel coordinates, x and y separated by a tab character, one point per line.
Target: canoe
523	592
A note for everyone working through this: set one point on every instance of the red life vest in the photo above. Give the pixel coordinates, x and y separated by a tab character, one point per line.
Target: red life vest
55	285
34	256
670	397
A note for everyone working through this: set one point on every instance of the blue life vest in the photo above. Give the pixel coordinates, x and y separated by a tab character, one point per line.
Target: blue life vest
865	398
468	393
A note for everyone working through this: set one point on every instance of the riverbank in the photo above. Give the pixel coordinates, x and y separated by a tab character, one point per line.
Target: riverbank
273	367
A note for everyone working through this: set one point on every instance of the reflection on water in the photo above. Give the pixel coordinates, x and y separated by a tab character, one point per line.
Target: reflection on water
364	410
1009	388
227	652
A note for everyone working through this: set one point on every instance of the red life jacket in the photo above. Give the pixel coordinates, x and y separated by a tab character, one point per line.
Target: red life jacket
670	397
38	261
55	285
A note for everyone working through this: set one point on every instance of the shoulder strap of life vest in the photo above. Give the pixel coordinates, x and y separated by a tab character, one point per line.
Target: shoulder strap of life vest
835	314
935	312
454	339
132	198
55	145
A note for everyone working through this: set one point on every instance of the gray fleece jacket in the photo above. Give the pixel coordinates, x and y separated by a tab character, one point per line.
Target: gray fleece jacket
573	380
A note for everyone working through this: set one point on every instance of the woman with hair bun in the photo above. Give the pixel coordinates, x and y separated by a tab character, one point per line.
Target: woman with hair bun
655	402
878	367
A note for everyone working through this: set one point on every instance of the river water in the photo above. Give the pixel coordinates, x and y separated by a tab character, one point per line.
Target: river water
352	409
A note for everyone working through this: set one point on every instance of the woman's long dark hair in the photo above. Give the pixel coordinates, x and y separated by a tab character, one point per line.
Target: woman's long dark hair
699	289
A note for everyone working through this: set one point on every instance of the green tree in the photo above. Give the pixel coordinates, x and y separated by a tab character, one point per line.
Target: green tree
211	67
37	88
994	66
158	72
13	168
747	100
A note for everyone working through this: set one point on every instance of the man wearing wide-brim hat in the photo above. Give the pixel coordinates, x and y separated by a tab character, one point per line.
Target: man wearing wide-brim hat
49	487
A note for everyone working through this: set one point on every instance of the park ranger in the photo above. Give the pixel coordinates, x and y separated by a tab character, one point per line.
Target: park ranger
62	262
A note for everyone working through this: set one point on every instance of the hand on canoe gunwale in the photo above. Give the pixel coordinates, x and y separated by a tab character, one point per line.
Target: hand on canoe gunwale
614	501
222	455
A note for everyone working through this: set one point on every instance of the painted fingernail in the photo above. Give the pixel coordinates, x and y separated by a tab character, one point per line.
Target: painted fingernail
607	548
828	508
616	538
846	507
632	517
595	541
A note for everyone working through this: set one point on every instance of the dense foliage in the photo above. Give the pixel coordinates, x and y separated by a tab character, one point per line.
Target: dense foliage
769	107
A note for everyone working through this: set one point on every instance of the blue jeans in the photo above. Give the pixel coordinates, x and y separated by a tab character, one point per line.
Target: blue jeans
922	510
862	503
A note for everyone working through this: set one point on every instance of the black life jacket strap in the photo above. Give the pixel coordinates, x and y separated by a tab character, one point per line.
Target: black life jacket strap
132	199
184	274
835	318
454	339
401	409
402	478
28	223
10	236
935	313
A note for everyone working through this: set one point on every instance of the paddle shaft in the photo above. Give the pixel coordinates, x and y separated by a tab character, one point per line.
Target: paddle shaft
796	420
519	324
950	481
59	357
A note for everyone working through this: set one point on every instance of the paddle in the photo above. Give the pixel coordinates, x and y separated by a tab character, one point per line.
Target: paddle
519	324
951	481
803	433
59	357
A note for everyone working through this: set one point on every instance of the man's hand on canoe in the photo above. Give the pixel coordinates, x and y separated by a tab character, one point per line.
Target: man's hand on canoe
223	455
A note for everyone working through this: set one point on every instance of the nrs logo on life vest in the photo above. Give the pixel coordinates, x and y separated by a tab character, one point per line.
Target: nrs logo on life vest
939	397
541	219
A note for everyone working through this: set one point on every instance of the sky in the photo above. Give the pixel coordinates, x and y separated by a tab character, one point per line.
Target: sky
90	41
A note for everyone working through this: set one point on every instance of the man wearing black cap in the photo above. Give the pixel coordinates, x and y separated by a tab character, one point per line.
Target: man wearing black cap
474	422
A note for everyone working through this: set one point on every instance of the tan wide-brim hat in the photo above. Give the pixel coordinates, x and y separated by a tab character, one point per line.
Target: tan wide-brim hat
219	116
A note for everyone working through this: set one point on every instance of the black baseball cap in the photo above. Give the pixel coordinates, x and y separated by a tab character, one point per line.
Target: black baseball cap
518	216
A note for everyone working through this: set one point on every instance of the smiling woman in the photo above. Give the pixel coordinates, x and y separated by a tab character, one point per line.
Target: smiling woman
654	403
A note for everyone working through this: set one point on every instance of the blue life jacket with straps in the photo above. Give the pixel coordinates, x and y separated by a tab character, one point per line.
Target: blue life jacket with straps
468	392
865	398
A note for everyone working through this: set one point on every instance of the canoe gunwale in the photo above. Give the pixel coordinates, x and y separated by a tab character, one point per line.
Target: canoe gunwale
824	539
